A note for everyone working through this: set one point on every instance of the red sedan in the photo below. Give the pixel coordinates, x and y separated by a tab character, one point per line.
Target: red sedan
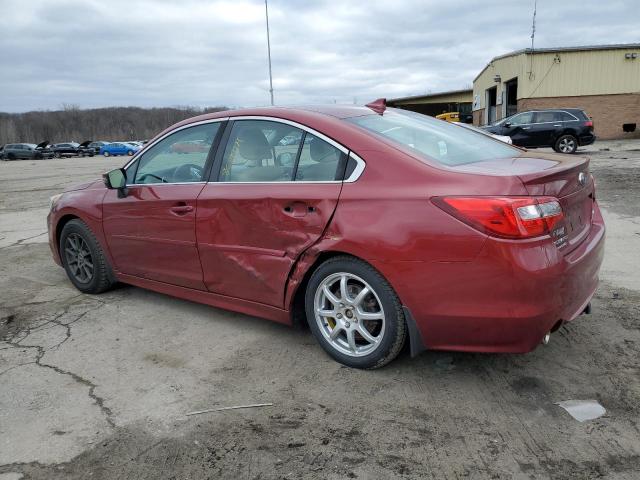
374	224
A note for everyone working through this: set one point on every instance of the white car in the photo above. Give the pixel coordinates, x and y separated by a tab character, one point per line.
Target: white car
502	138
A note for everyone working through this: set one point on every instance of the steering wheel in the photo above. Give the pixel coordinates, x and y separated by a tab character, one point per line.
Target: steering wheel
188	172
143	178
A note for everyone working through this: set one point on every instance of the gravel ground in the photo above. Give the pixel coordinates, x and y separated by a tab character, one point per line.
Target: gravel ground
98	386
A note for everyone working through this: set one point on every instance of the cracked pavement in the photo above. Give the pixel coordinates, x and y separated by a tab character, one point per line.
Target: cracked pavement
98	386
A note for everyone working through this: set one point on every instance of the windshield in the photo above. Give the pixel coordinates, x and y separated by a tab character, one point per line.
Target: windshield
434	139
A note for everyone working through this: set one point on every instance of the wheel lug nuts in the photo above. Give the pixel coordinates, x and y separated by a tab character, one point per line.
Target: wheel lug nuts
339	315
347	324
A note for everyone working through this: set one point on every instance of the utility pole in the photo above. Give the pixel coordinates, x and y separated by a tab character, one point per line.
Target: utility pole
533	35
266	11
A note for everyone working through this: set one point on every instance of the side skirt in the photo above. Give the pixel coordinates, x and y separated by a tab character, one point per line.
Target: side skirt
213	299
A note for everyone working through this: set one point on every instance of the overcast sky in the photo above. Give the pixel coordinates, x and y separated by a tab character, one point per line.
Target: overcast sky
95	53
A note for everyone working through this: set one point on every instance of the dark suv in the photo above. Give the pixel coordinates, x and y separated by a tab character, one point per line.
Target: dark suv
72	149
15	151
563	129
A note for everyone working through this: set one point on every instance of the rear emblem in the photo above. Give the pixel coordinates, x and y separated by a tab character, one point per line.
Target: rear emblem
582	178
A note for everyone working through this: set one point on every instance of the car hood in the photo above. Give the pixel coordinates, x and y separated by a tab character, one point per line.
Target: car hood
84	186
44	144
85	143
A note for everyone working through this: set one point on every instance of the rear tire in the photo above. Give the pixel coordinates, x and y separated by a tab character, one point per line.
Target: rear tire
83	258
566	144
359	330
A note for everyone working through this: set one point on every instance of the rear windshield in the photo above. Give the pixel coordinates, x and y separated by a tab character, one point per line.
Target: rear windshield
433	139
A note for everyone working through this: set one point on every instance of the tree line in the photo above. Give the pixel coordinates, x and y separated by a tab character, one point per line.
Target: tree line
75	124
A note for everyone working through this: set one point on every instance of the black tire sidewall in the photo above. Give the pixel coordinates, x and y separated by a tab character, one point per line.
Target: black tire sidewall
385	294
78	227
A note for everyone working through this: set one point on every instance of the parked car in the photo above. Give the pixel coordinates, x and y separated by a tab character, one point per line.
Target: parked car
561	129
118	148
502	138
17	151
387	225
65	149
95	146
84	149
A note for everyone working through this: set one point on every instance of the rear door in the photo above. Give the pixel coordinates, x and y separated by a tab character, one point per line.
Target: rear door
276	188
544	129
151	231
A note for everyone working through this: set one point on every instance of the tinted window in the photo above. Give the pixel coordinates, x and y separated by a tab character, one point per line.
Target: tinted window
565	117
521	119
319	161
434	139
178	158
546	117
260	151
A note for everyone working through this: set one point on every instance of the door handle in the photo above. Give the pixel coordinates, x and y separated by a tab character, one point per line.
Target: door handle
182	209
526	128
298	209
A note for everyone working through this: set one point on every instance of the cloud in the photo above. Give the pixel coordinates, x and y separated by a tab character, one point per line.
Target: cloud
204	52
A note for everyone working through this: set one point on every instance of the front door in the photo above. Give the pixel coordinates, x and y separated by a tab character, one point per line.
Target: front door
518	128
277	189
151	231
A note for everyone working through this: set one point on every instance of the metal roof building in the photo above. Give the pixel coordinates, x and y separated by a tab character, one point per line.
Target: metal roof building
603	80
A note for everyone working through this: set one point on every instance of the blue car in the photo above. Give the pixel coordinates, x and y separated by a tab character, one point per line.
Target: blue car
119	148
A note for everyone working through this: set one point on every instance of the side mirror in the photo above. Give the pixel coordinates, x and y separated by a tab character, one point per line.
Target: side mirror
116	180
506	124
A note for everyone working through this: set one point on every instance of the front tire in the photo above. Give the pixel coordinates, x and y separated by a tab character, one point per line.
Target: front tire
106	154
354	313
57	154
83	258
566	144
130	153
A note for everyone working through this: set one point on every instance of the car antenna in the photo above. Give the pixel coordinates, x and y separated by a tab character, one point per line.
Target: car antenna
378	106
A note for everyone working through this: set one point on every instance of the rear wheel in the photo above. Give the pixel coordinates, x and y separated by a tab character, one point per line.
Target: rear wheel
130	152
83	258
354	313
566	144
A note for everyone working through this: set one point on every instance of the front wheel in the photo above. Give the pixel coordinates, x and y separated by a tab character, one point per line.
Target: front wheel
83	258
57	154
130	153
566	144
106	154
354	313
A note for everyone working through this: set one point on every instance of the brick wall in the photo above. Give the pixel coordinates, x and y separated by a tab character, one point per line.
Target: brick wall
478	117
608	112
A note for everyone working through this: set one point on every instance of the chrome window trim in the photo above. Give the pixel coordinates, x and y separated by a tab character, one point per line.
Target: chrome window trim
158	140
310	130
357	172
576	119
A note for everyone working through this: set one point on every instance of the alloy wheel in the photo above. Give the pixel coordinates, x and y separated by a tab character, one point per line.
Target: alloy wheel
349	314
79	258
567	145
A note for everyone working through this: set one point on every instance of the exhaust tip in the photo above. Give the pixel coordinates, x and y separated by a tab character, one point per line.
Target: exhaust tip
546	338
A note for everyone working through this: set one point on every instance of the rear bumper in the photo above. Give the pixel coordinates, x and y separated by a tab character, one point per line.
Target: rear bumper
587	139
506	299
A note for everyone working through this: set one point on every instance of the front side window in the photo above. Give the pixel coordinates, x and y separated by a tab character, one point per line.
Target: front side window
260	151
434	139
178	158
521	118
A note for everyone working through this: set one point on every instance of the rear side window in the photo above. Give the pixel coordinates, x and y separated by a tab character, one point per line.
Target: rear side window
547	117
319	161
566	117
434	140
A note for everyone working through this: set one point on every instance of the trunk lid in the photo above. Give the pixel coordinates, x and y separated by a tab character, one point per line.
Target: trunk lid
565	177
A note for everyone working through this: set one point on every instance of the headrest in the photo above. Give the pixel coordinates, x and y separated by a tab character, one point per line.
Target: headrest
322	152
253	145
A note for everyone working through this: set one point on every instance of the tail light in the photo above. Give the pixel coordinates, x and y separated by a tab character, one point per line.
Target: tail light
588	123
506	217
